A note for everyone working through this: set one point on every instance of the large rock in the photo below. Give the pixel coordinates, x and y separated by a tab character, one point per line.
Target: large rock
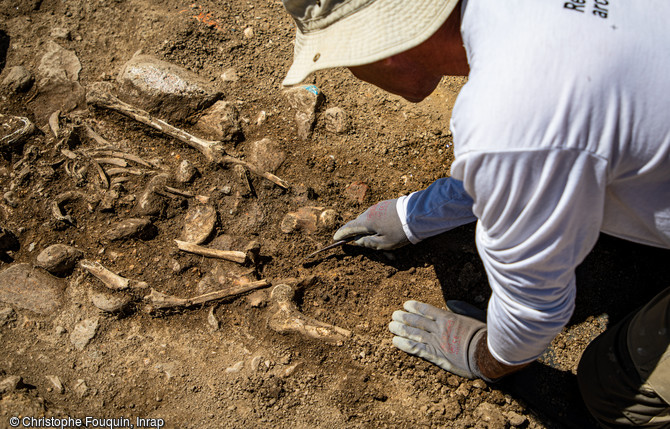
199	224
18	79
57	83
30	288
59	259
165	89
304	100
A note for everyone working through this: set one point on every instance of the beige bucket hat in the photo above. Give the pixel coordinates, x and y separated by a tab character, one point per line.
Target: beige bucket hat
343	33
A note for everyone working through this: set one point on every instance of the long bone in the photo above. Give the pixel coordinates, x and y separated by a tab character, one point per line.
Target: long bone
99	96
288	318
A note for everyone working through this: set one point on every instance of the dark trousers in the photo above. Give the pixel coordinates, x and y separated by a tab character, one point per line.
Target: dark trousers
624	374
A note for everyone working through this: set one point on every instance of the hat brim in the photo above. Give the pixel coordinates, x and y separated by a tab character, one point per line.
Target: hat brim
380	30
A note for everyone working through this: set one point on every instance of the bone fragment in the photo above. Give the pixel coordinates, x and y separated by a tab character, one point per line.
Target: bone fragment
123	170
158	300
180	192
53	123
110	279
288	318
229	255
103	176
213	150
56	209
122	155
119	162
68	153
97	137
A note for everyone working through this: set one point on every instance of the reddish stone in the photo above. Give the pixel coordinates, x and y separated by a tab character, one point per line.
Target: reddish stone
357	191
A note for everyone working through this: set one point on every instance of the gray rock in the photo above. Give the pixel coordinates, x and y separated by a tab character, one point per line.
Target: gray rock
80	387
58	259
9	384
111	303
132	228
84	332
186	172
18	79
337	120
30	288
220	122
58	64
199	224
165	89
266	154
58	83
304	100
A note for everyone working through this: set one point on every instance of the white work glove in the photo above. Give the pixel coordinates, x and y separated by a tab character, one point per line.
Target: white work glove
380	226
442	337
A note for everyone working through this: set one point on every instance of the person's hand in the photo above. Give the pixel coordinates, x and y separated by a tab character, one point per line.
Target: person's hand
380	226
442	337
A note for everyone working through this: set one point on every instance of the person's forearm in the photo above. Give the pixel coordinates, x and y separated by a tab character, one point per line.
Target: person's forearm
443	206
488	366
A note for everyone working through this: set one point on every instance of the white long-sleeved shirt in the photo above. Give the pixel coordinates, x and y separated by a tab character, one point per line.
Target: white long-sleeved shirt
562	131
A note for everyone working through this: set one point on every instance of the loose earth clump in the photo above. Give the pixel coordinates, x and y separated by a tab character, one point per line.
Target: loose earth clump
160	194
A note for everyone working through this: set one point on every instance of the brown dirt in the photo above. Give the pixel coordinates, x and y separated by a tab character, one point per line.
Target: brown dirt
173	366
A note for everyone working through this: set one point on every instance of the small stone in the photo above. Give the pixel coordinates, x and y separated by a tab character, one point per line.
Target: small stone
186	172
220	122
30	288
80	388
226	190
58	64
212	321
266	154
235	368
329	219
9	384
84	332
356	191
59	259
132	228
515	419
337	120
249	32
7	315
256	363
61	33
59	330
305	101
463	390
230	75
111	303
55	381
199	224
490	414
479	384
18	79
165	89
